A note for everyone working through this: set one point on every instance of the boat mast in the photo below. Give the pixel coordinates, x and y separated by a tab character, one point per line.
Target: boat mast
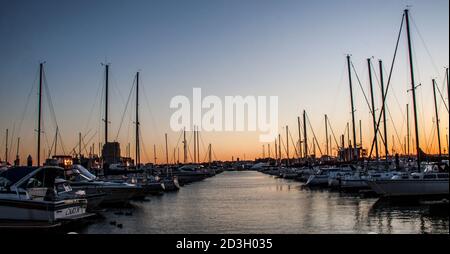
41	72
106	102
56	139
79	145
209	154
174	156
373	109
154	153
279	150
305	134
360	134
408	138
6	148
195	146
198	145
326	132
299	139
184	146
287	146
276	150
448	103
352	105
413	88
16	163
383	98
137	160
437	118
167	156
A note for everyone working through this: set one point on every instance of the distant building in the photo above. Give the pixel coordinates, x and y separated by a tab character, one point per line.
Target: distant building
111	153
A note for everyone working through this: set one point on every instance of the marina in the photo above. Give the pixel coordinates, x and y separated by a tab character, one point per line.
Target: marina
252	202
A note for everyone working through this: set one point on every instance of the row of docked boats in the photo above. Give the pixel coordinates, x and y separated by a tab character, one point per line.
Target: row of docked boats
51	196
385	180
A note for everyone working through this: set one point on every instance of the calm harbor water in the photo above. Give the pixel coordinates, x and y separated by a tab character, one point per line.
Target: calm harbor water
252	202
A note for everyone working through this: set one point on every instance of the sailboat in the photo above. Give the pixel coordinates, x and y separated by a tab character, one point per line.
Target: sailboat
30	197
431	182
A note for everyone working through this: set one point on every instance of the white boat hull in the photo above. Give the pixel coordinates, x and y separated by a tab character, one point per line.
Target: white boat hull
29	210
398	188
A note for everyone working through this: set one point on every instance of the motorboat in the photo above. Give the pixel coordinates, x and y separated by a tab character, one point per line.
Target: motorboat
187	173
304	173
324	174
335	177
28	195
65	191
151	185
170	183
358	180
117	192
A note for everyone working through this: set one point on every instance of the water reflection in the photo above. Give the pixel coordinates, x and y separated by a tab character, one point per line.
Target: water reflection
251	202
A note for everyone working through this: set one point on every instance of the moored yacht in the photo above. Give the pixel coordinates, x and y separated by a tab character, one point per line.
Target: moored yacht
323	175
117	193
433	182
358	180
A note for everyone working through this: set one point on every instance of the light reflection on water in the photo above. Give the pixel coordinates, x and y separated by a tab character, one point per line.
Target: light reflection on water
251	202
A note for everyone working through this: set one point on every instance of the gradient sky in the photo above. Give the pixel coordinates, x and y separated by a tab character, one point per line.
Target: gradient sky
293	49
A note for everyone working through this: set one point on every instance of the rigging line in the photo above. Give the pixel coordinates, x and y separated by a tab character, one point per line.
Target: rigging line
85	144
128	129
395	130
396	100
432	134
146	154
372	111
214	154
284	146
202	142
34	84
331	128
84	135
94	105
153	122
51	148
63	148
389	111
442	97
360	85
388	82
188	145
52	110
178	141
115	87
101	117
11	141
294	144
421	111
49	101
46	141
204	147
339	88
425	46
125	110
315	138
